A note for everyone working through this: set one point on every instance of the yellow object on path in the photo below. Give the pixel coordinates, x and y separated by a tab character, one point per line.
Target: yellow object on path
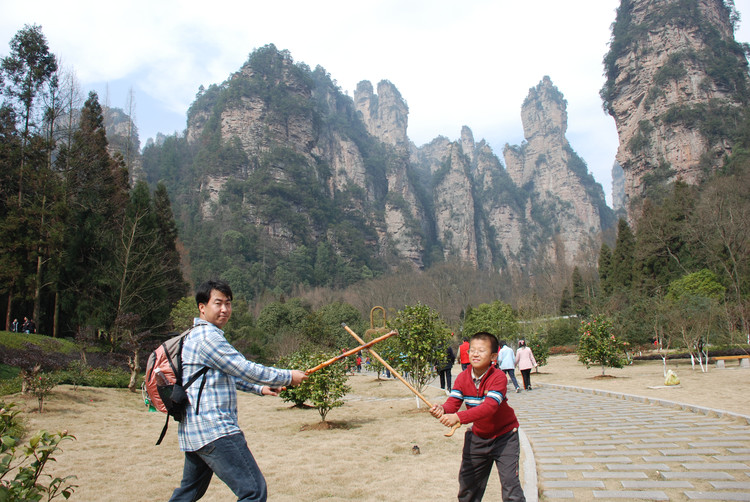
671	378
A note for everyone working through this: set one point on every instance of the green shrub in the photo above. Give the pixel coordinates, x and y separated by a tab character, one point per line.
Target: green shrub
28	462
94	377
599	345
324	389
539	347
9	424
562	332
11	386
40	384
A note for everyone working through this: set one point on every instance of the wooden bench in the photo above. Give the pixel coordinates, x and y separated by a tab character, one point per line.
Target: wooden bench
744	360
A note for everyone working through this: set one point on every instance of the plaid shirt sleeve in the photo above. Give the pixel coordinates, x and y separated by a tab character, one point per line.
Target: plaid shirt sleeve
229	370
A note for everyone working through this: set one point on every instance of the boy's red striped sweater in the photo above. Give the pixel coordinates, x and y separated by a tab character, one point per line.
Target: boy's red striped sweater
487	406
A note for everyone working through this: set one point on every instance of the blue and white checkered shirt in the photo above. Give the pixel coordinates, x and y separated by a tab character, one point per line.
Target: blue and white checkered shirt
228	370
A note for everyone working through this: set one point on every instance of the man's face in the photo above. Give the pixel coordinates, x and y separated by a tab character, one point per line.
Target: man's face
218	310
480	354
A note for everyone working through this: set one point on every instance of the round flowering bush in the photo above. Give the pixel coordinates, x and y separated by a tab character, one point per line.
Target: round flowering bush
598	344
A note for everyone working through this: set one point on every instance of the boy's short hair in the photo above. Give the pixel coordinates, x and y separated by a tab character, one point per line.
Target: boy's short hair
203	292
487	337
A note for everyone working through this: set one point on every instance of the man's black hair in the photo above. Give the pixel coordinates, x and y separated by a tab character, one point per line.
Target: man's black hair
483	335
203	292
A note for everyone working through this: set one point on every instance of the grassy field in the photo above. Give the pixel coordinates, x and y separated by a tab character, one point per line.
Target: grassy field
365	453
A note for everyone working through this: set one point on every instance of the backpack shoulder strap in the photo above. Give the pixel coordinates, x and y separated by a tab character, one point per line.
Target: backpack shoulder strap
163	431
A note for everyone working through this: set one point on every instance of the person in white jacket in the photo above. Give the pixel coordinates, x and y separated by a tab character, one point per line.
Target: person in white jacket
525	362
506	361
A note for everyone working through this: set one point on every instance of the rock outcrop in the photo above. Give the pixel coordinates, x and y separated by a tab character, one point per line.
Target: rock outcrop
618	188
676	84
122	139
325	181
564	200
385	115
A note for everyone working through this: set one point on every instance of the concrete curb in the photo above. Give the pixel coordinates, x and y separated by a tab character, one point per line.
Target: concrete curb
530	488
651	400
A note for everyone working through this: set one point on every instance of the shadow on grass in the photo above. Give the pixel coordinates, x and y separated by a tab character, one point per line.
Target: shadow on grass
330	425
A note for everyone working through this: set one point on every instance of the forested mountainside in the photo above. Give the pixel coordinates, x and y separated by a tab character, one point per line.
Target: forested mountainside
677	86
282	179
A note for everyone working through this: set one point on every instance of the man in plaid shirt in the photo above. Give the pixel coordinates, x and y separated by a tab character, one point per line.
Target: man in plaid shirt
209	434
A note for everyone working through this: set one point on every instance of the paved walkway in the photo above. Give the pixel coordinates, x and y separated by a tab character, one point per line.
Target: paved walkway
598	446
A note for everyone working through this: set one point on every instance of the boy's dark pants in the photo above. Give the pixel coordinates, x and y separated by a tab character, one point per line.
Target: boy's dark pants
478	456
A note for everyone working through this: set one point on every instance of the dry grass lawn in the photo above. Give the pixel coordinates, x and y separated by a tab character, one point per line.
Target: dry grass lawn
367	455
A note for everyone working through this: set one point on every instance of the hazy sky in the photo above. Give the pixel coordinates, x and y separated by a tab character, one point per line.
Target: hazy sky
456	63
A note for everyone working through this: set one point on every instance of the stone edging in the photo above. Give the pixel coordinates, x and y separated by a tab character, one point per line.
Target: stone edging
530	488
651	400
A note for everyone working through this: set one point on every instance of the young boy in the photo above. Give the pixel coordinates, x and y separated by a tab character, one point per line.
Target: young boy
494	434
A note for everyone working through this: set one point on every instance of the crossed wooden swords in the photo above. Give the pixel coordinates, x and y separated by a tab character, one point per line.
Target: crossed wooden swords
382	361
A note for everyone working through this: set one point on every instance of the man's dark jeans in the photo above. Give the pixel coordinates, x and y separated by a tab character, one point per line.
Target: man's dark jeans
231	460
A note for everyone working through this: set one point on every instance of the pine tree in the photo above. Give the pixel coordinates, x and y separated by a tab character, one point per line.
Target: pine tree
662	251
97	190
605	269
566	305
24	73
578	299
622	258
167	230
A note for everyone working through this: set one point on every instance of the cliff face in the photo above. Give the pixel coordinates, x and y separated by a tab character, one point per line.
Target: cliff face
385	116
618	188
285	162
562	195
122	138
676	82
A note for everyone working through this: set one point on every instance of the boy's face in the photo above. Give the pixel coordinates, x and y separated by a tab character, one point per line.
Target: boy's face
481	355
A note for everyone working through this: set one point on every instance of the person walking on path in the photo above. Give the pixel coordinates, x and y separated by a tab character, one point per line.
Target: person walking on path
525	362
493	436
444	369
209	435
463	354
506	361
14	326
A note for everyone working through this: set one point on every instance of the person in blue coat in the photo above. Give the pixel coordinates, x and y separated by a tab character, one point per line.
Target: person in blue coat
506	361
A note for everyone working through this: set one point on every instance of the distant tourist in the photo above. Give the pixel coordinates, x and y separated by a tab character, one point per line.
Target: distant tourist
463	354
14	326
506	361
525	362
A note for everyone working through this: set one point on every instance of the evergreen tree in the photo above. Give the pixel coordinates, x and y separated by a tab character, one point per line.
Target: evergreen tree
578	299
605	269
97	196
12	257
25	71
622	257
566	305
662	251
167	229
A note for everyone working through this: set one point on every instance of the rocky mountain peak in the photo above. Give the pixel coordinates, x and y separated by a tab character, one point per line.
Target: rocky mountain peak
544	112
385	114
556	177
677	83
467	142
